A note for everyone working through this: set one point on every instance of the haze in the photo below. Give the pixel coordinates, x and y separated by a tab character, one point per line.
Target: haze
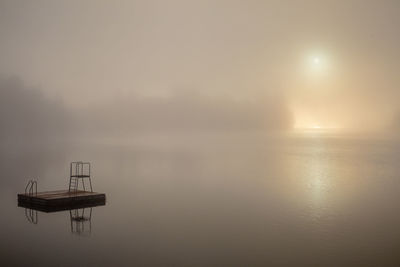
201	65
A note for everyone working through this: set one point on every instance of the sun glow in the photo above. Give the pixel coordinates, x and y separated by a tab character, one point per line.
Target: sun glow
317	63
310	123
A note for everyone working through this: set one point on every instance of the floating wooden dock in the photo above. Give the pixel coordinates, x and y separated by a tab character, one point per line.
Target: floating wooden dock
61	200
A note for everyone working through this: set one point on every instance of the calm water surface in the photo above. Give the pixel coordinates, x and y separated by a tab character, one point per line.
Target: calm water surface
240	200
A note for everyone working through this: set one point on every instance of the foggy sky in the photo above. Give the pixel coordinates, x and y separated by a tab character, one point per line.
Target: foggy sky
241	63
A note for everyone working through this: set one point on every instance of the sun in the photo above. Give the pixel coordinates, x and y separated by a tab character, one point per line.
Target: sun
316	64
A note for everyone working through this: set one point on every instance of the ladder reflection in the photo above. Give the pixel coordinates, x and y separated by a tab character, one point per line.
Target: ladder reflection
80	218
81	222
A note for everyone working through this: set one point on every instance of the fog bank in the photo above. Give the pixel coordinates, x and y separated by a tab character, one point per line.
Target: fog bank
27	116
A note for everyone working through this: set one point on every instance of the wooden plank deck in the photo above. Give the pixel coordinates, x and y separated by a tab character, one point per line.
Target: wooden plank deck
61	200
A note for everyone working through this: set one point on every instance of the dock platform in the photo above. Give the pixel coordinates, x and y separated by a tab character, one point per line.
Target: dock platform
61	200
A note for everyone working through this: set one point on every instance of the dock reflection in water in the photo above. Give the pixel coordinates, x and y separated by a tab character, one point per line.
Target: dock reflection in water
31	215
80	218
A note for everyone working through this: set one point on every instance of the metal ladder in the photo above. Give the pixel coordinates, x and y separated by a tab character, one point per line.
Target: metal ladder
31	188
73	184
79	170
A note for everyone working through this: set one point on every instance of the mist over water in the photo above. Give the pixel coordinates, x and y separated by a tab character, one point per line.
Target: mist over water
215	200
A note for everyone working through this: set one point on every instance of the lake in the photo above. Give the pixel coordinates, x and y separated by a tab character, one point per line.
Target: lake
304	199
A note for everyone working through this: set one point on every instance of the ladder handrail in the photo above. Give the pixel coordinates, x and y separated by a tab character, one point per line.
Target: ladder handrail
31	184
79	168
